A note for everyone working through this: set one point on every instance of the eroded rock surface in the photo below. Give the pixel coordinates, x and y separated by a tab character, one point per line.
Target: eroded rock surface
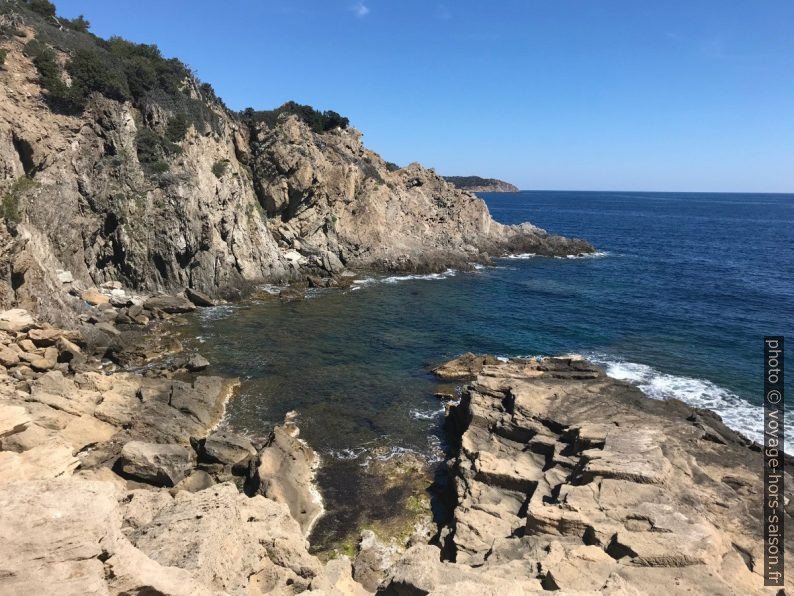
120	484
284	471
569	480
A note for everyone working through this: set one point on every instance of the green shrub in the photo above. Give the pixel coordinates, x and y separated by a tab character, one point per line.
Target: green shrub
42	7
152	149
58	95
219	167
160	167
177	128
318	121
79	24
3	54
91	71
9	207
391	166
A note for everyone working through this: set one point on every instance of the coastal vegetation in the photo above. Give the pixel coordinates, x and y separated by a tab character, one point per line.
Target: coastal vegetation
318	121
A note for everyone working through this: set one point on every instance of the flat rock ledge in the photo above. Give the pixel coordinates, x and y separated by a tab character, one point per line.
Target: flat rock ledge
117	483
567	480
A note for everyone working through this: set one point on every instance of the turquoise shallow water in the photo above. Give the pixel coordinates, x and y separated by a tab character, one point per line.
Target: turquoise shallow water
678	302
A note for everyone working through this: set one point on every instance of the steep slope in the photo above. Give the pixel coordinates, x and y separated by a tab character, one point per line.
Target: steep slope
116	164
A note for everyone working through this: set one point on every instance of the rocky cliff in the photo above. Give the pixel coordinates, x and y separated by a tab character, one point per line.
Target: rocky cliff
167	191
477	184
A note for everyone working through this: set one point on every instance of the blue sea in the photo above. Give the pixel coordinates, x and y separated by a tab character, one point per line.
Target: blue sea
677	300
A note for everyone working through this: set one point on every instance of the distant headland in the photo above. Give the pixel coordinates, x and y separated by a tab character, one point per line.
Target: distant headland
477	184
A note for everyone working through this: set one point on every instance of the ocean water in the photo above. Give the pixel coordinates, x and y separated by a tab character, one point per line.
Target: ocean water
677	301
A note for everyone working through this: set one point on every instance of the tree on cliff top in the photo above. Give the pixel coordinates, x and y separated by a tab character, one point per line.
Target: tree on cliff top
318	121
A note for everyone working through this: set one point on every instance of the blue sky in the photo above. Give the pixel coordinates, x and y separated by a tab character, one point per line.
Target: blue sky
559	94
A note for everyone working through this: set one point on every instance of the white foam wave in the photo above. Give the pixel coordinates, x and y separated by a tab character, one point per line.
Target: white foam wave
393	279
271	289
215	313
347	453
590	255
736	413
427	415
523	255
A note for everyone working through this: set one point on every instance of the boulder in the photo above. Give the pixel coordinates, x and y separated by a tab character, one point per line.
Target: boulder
230	542
49	337
64	536
46	362
8	357
13	419
198	480
16	319
196	363
223	447
54	460
158	464
198	298
169	304
94	297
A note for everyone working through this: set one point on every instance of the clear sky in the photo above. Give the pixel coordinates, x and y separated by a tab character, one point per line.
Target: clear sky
555	94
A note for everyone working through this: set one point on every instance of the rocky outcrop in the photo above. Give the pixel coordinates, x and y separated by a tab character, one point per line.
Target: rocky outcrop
568	480
230	207
477	184
117	483
337	204
284	472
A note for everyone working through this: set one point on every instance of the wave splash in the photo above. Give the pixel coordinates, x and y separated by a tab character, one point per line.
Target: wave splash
393	279
736	413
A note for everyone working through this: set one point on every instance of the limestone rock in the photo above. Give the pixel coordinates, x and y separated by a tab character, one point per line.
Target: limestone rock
464	367
198	298
95	297
223	447
161	465
285	473
170	304
39	463
63	536
16	319
229	541
582	483
197	362
13	419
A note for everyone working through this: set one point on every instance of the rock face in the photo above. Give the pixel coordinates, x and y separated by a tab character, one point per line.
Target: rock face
287	203
568	480
477	184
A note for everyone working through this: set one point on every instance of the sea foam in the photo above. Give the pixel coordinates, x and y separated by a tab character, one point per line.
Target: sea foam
393	279
736	413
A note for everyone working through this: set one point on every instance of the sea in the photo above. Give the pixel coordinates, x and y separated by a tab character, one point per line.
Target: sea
676	300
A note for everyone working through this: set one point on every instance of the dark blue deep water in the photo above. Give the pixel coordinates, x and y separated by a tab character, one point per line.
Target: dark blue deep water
678	302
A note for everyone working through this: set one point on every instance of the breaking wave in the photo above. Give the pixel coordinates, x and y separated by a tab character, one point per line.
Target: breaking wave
736	413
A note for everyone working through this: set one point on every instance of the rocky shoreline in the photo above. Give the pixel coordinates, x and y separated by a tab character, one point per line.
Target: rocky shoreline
565	479
117	474
167	510
561	479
